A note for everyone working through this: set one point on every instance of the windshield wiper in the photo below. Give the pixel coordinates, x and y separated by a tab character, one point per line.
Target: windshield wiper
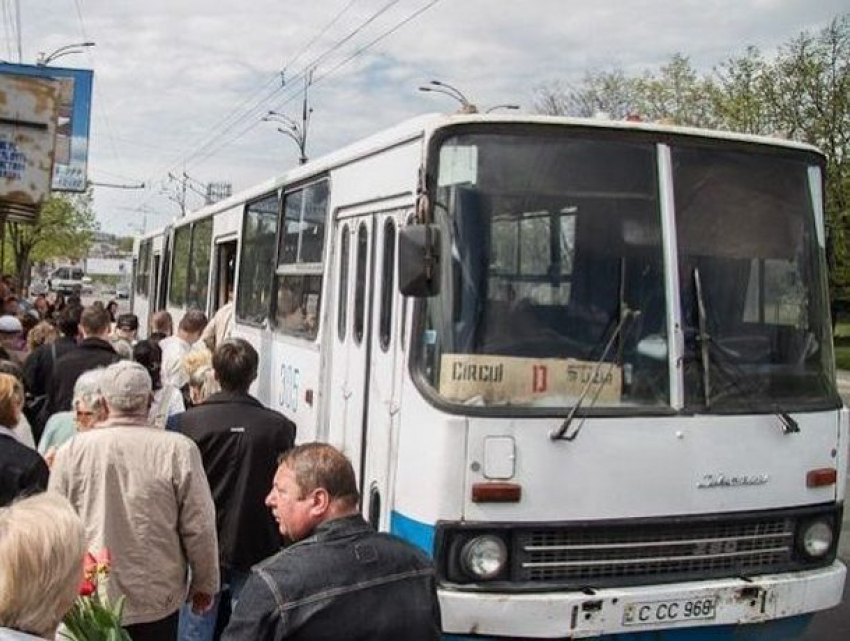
703	338
560	433
735	374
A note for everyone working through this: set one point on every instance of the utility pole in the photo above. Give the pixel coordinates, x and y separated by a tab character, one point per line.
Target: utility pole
294	130
179	194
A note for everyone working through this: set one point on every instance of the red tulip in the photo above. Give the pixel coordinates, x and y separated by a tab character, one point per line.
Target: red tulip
87	588
104	560
89	567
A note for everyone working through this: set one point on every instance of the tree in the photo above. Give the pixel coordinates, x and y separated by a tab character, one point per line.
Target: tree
608	92
813	101
743	95
803	94
676	94
64	229
125	244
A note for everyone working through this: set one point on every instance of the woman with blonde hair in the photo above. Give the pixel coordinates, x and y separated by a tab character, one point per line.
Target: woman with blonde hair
22	470
197	365
44	333
42	543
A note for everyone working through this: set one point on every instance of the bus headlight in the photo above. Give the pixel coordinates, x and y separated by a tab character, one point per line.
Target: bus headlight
484	557
816	538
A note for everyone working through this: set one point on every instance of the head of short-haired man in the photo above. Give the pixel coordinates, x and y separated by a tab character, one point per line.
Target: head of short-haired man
126	327
126	390
192	325
235	363
314	483
95	322
68	321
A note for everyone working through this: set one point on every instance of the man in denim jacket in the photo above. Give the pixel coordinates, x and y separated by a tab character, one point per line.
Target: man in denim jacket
339	579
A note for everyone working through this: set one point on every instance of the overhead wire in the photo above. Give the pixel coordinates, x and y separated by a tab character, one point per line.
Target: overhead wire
296	93
316	38
219	140
278	76
255	113
103	110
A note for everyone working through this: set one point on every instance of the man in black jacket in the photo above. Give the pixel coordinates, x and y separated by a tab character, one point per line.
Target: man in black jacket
93	351
240	441
339	579
40	367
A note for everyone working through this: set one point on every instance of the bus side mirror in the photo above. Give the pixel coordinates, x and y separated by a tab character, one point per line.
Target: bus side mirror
419	261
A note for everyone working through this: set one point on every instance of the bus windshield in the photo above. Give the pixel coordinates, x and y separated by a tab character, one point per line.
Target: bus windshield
753	287
553	276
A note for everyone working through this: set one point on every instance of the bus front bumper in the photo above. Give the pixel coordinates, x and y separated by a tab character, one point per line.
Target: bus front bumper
550	615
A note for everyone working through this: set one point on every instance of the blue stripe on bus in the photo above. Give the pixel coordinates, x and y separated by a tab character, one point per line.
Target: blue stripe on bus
778	630
419	534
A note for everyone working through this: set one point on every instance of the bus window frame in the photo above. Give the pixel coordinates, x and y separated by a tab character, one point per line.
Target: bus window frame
240	284
304	270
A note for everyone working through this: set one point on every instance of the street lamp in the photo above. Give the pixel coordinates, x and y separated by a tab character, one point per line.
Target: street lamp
297	132
44	60
491	109
436	86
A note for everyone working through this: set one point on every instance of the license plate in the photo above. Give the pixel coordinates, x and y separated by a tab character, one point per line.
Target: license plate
670	611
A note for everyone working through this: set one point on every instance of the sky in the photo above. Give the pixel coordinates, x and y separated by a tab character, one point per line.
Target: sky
181	86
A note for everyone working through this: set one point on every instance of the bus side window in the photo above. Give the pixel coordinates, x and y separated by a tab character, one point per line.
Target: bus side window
360	283
301	260
259	231
387	284
342	297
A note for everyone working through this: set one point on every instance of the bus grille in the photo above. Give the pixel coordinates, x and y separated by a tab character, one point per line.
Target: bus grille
658	552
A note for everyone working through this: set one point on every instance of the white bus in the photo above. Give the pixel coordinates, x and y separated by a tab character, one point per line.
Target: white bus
189	264
586	365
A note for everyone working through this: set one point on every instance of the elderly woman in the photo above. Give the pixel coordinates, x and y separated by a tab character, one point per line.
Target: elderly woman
41	552
89	409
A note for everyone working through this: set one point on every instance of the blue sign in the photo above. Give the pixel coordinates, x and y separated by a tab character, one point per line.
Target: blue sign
72	129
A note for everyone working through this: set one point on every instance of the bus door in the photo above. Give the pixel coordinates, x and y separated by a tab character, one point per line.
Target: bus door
363	386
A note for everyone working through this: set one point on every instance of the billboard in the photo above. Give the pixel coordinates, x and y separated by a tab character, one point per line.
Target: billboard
72	130
28	114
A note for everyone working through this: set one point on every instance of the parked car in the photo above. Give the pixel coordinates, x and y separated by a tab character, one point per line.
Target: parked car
87	285
122	290
38	288
65	280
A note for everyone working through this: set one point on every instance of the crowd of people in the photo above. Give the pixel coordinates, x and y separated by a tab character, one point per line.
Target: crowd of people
218	526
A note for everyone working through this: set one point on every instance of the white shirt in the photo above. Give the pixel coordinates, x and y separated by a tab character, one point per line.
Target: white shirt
174	349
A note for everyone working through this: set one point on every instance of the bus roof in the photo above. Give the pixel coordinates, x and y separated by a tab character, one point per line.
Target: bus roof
428	123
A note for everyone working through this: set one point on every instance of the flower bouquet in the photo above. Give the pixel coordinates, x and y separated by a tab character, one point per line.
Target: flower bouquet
93	617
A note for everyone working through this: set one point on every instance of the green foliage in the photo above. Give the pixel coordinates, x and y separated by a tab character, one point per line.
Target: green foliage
64	230
95	619
125	244
802	93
